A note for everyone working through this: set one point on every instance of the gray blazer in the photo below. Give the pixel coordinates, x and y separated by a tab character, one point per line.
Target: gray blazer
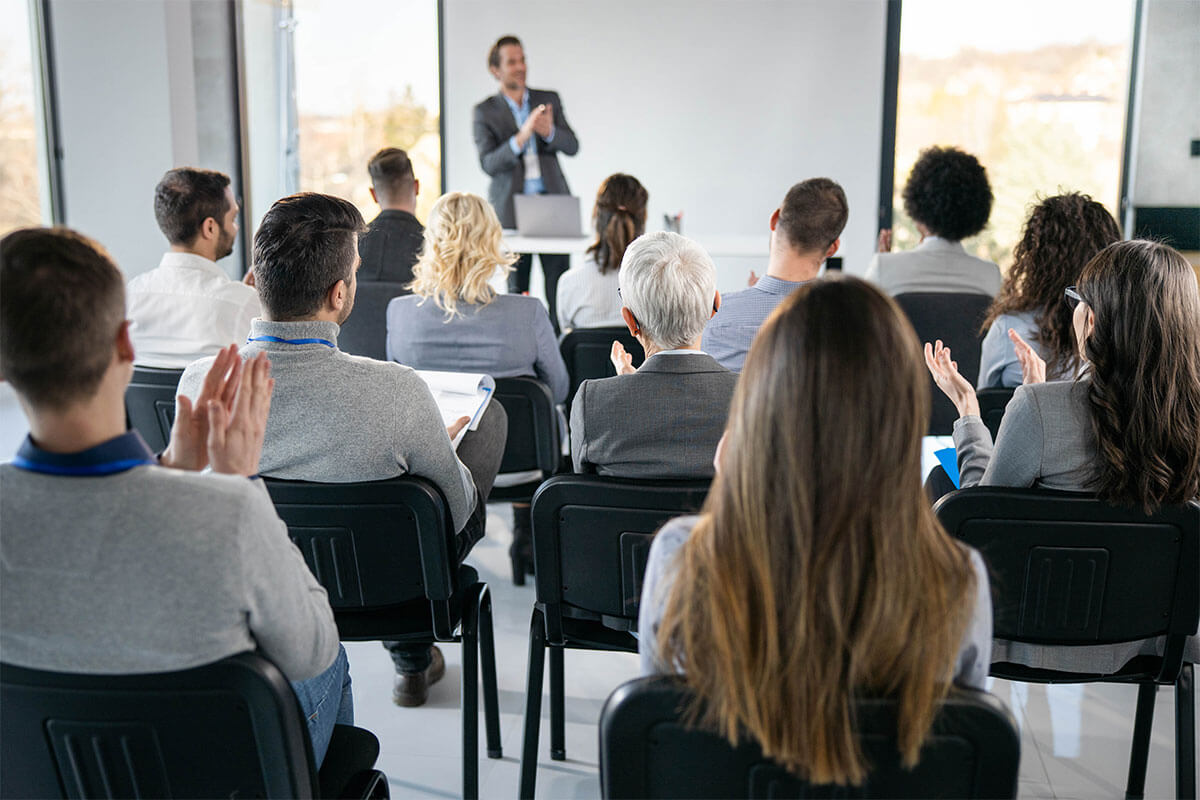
494	126
935	265
663	421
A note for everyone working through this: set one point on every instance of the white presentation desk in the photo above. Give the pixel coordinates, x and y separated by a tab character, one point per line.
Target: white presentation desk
717	246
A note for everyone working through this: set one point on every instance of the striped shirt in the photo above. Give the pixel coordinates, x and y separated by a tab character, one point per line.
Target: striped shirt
728	335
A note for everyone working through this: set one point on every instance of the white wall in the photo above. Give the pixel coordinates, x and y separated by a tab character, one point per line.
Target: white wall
1164	172
717	106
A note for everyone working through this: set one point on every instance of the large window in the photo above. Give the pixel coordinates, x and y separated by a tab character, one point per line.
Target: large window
366	78
20	192
1036	90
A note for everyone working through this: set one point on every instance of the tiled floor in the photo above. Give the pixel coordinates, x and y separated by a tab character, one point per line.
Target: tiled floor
1074	739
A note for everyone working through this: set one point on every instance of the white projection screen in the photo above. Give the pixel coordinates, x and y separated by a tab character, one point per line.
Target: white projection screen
717	106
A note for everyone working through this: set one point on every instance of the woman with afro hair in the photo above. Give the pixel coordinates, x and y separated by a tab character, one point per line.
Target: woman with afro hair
949	198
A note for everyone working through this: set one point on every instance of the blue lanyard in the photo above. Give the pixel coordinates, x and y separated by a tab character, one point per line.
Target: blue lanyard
106	468
277	340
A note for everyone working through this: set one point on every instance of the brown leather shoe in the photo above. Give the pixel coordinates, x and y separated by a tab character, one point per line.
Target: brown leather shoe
411	689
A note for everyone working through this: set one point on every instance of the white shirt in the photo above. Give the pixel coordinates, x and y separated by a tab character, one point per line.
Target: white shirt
186	309
587	299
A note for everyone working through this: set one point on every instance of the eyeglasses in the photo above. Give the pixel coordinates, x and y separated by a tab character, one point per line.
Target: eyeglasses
1074	298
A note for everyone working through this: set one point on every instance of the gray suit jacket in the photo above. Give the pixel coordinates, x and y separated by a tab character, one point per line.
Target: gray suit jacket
935	265
663	421
494	126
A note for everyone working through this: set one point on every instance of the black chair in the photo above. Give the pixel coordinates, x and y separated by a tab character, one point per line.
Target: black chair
648	750
586	353
992	403
955	319
364	333
591	538
232	728
150	404
383	550
1068	569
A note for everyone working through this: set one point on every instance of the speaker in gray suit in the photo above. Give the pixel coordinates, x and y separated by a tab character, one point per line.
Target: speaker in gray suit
519	133
664	419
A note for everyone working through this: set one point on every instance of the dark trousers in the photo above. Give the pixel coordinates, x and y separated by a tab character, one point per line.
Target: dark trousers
481	451
553	266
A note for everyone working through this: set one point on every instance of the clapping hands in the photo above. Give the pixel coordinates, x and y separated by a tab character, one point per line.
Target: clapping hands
946	375
622	361
1033	368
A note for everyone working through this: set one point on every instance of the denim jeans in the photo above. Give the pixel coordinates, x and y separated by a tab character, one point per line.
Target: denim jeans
327	701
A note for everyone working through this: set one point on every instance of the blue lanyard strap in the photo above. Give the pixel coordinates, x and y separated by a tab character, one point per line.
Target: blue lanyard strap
278	340
106	468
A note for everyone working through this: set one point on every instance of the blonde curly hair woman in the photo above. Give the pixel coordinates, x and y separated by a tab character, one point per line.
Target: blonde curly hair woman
455	320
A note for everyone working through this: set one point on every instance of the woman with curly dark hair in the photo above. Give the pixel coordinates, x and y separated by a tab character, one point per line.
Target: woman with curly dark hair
949	198
1126	429
1061	235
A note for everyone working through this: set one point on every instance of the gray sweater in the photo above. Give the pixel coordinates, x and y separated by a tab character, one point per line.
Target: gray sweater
153	569
338	418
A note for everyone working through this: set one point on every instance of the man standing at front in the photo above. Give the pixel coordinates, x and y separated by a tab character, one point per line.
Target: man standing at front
519	133
188	307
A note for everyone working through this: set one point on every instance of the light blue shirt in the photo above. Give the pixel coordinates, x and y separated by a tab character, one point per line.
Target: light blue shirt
728	335
521	114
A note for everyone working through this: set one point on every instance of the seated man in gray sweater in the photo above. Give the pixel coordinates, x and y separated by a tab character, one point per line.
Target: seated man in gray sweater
113	560
338	418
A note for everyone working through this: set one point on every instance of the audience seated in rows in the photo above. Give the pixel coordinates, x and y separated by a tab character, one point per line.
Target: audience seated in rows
949	198
772	602
804	232
662	420
187	307
338	418
587	293
113	562
1126	429
1061	235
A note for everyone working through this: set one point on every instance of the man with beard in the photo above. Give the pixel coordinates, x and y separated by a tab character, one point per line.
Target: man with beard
338	418
187	307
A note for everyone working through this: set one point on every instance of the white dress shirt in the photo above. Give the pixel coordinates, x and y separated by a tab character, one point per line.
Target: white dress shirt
186	309
588	299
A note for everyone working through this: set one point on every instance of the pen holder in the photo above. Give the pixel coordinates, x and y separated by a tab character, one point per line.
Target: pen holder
673	224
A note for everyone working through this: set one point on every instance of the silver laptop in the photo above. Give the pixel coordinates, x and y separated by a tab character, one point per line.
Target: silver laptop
548	215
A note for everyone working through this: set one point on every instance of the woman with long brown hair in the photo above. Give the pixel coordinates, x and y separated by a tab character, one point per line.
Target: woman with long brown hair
1127	429
791	592
587	293
1061	235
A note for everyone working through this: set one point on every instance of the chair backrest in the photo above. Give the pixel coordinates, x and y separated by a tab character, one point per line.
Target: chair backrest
228	729
955	319
1068	569
648	750
586	351
533	438
364	333
373	546
591	538
150	404
992	403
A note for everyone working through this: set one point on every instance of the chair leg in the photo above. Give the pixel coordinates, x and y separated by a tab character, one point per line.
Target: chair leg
1139	751
558	733
518	568
470	695
1185	733
487	654
533	704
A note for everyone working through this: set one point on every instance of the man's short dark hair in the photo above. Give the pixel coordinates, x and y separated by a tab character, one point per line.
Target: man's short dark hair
305	244
185	197
391	173
813	214
494	53
948	192
62	303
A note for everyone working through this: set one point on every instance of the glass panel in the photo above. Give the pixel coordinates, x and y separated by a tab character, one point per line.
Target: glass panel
367	78
20	192
1035	90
